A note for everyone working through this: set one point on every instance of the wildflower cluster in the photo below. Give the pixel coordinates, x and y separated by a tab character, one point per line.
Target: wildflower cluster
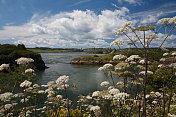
24	60
4	67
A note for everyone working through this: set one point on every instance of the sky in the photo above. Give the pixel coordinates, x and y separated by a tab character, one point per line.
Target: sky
78	23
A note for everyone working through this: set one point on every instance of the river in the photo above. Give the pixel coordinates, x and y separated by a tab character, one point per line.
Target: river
87	78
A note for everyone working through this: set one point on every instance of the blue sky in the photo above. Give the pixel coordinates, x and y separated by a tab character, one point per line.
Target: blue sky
76	23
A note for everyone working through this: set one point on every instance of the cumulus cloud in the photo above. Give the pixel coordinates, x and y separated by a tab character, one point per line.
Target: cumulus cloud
71	29
68	29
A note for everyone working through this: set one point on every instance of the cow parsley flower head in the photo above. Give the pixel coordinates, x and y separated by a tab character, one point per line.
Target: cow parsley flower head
106	67
120	83
6	96
173	54
160	66
172	20
171	115
116	42
114	91
8	106
154	102
121	66
62	80
29	71
24	60
41	91
148	73
59	96
172	65
26	84
119	57
88	97
107	97
133	58
101	69
4	66
22	100
163	21
121	96
94	108
165	54
104	83
95	93
142	61
162	59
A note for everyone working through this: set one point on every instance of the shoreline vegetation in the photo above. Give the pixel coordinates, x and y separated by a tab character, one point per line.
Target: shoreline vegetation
154	54
9	53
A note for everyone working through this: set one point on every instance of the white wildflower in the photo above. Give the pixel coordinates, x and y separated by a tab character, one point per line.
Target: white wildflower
8	106
119	57
120	83
59	96
62	80
22	100
95	108
152	94
35	86
154	102
6	96
18	95
172	20
147	96
120	96
26	84
148	73
172	65
107	97
111	87
133	58
114	91
108	66
170	115
121	66
95	93
173	54
24	60
163	21
160	65
142	61
158	94
117	42
41	91
127	24
4	66
104	83
29	71
165	54
133	62
101	69
10	115
88	97
162	59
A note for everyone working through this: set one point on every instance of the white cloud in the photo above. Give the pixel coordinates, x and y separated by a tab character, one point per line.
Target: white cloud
151	16
71	29
134	2
80	2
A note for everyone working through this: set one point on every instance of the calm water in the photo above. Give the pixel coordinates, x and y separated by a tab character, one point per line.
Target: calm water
87	78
